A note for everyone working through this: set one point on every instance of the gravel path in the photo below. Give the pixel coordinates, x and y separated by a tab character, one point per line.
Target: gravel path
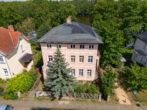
122	96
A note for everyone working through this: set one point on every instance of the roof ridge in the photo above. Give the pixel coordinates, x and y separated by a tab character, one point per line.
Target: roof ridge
11	38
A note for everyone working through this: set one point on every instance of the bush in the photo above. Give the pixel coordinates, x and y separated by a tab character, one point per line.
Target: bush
11	96
86	88
93	89
135	77
1	89
22	83
2	81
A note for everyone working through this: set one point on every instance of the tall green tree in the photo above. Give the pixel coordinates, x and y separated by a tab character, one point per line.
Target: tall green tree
26	26
106	22
131	19
108	82
60	80
135	77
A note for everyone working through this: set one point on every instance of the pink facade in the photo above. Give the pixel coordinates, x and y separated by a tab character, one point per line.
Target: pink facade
88	67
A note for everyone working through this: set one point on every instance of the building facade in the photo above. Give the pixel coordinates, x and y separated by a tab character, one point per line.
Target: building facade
15	53
140	49
79	45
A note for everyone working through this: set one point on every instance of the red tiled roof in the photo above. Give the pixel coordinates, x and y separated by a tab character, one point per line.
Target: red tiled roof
28	37
8	40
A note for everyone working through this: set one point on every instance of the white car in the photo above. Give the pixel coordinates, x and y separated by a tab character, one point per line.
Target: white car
5	107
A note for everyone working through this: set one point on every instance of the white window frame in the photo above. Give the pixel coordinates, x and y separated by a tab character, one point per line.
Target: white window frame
50	58
22	49
73	72
81	72
91	46
90	59
1	59
81	59
72	46
82	46
5	71
49	46
89	73
58	46
73	58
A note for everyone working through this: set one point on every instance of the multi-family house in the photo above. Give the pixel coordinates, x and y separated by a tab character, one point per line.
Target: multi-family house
15	53
140	49
79	45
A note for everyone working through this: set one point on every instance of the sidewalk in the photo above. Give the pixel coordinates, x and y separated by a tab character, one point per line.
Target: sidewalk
30	104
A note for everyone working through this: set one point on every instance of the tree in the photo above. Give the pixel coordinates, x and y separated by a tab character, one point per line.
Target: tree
26	26
60	81
106	22
135	77
131	19
108	82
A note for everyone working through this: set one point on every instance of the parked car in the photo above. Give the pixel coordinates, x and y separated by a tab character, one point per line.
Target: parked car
5	107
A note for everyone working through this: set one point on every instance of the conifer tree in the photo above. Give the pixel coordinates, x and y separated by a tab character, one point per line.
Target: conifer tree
60	80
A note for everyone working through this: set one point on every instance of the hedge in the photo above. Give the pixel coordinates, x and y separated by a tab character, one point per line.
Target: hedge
22	82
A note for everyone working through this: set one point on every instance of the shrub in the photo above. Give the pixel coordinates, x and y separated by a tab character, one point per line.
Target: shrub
135	77
11	96
93	89
1	89
86	88
22	83
2	81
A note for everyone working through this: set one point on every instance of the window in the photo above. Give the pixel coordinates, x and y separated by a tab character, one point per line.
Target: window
72	58
73	46
5	72
90	59
1	59
73	72
81	46
80	72
89	73
50	58
91	46
145	45
22	49
49	45
58	46
81	59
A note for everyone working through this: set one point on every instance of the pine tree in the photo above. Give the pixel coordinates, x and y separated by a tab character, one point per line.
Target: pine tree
60	81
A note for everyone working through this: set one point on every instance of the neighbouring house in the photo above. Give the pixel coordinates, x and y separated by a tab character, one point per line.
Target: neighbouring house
140	49
15	53
79	45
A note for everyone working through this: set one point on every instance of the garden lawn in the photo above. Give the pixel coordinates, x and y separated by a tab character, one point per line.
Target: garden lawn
142	96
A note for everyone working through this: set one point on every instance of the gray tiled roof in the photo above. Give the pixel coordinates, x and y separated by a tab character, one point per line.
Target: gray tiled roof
143	36
71	33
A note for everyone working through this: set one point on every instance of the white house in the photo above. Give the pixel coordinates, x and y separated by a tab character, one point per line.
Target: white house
15	53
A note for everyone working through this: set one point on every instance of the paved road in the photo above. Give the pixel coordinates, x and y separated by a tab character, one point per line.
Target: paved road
32	104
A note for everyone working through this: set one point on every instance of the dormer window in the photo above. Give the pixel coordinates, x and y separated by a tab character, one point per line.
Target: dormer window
82	46
49	45
145	45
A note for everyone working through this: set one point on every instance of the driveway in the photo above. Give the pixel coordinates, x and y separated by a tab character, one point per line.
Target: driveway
32	104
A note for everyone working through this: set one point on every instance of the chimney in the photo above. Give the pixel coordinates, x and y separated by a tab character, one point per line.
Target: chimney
68	20
11	28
